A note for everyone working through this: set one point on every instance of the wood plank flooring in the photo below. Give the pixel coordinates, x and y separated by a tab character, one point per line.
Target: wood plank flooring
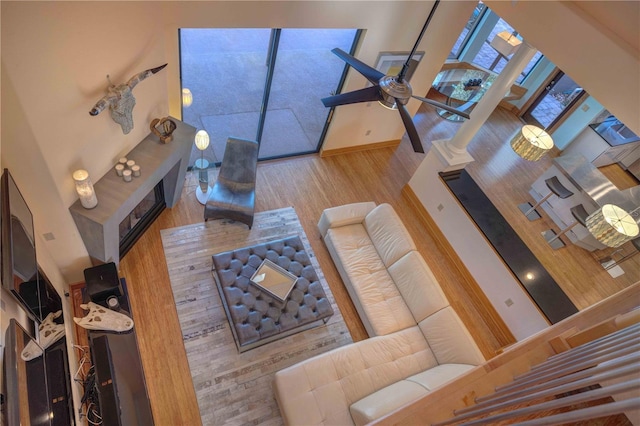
311	184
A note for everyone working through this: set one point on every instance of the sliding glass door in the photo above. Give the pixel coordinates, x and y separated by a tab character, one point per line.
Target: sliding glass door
557	97
305	71
261	84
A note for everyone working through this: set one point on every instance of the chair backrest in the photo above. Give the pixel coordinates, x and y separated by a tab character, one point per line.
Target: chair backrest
240	160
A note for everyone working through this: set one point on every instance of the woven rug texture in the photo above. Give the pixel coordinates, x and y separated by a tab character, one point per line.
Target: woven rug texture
234	388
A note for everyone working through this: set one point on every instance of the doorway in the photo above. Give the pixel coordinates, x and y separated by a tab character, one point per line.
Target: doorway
261	84
557	98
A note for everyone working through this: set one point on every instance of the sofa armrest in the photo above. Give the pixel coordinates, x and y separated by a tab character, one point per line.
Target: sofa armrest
347	214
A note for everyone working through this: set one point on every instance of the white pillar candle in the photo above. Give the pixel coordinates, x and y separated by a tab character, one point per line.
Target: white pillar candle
85	190
119	169
130	163
135	170
123	161
126	175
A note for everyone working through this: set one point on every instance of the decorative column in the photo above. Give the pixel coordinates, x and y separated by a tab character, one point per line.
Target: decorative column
453	152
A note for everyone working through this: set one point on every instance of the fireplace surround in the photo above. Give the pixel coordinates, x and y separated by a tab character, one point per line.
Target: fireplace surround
160	163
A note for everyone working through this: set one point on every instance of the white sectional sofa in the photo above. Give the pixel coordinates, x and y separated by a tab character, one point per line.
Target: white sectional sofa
417	341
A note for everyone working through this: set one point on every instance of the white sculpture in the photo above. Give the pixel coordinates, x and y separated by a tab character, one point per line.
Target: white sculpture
121	101
49	333
100	318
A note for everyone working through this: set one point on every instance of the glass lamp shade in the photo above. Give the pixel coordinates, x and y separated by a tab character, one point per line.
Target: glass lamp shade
612	226
202	140
531	143
506	43
85	190
187	97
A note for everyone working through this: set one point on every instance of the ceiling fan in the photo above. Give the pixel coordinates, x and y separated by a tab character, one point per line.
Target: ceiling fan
392	91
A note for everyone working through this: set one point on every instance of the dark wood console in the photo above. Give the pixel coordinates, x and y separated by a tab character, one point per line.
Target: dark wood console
115	357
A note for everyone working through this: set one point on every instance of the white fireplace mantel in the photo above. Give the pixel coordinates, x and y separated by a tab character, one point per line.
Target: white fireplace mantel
99	227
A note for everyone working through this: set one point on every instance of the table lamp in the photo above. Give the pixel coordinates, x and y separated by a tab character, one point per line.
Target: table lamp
187	97
202	165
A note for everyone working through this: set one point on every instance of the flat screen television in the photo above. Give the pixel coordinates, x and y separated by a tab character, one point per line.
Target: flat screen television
20	274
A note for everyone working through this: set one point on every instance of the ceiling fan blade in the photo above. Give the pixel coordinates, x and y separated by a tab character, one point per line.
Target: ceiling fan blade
372	74
442	106
411	128
368	94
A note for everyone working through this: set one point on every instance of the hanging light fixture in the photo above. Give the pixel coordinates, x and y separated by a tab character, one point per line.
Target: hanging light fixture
85	190
187	97
506	43
612	226
531	142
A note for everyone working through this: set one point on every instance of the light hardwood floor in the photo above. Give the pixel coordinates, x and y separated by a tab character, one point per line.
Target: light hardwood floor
311	184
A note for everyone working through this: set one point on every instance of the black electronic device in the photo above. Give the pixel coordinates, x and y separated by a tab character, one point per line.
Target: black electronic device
105	380
102	281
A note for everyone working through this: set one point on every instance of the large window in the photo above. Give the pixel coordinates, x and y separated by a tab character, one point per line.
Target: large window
474	43
262	84
467	31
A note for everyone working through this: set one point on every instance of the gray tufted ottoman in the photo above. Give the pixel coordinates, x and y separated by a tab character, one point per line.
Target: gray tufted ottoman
256	317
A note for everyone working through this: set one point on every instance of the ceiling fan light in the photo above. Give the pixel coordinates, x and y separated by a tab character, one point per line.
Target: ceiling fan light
388	105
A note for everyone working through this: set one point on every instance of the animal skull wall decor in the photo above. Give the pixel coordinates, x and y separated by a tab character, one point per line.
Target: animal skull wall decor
121	101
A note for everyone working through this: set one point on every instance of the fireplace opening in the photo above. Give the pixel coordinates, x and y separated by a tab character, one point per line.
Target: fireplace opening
140	218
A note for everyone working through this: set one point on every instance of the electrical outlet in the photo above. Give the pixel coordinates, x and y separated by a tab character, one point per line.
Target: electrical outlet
440	207
508	302
585	107
49	236
368	133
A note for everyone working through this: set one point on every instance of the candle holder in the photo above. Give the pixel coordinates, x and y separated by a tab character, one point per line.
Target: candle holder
126	175
84	188
119	169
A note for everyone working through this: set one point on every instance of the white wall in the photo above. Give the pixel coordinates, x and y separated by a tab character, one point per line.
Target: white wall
498	283
576	122
55	58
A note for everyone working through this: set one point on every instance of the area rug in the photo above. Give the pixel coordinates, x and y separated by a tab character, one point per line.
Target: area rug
232	387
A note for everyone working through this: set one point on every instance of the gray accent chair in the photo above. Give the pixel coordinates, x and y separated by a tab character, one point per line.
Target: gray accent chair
233	195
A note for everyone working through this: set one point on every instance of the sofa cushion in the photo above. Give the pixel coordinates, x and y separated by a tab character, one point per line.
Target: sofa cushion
344	215
439	375
321	389
449	339
388	234
417	285
394	396
375	295
385	400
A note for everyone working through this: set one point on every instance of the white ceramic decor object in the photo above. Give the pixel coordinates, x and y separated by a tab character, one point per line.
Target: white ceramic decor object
100	318
49	333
